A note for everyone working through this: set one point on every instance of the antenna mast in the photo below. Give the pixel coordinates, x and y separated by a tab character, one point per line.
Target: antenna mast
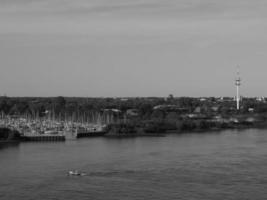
238	83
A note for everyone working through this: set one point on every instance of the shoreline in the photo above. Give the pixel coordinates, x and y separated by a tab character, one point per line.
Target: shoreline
55	138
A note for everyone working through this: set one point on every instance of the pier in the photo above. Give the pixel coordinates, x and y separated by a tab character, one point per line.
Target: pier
44	138
91	134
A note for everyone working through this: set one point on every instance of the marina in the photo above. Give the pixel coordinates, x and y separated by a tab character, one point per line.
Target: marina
47	130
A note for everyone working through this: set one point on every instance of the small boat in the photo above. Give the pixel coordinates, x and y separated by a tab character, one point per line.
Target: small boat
76	173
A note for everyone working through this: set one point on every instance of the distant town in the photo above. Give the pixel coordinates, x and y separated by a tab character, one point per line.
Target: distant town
67	117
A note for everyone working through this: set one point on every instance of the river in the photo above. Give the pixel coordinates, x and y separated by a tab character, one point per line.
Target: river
223	165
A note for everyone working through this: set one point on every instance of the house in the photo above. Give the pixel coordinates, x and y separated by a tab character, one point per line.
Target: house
251	110
132	112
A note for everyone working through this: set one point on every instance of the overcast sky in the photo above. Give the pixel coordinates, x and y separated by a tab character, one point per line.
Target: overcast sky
103	48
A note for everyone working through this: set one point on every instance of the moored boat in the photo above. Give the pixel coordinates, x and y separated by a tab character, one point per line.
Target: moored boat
94	131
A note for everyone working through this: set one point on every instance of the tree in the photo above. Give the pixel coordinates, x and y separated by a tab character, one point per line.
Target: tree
158	115
59	104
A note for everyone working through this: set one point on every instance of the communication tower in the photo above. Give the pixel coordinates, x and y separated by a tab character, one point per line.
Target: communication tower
237	83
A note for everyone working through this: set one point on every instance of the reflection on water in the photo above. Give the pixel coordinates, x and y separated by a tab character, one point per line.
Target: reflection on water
5	145
226	165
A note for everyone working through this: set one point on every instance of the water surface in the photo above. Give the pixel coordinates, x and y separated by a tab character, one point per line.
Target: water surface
225	165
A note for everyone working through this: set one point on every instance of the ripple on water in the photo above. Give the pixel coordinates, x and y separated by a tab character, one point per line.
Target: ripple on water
211	166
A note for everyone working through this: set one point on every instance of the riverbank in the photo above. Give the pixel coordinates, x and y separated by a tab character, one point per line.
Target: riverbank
161	128
48	130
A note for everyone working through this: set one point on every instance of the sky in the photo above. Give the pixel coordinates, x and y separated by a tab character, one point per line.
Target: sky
132	48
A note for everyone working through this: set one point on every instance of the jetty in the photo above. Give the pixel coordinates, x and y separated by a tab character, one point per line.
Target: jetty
44	138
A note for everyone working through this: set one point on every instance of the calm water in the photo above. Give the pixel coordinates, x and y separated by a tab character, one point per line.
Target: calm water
226	165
